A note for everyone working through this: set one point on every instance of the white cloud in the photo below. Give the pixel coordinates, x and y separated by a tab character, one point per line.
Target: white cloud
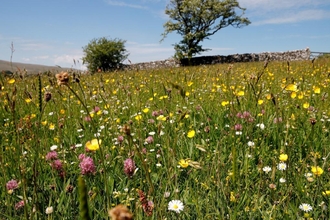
285	11
124	4
272	5
306	15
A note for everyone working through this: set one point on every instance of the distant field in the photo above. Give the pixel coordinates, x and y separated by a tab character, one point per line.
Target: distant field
30	68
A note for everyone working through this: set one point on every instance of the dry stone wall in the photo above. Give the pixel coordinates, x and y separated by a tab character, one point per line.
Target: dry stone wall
204	60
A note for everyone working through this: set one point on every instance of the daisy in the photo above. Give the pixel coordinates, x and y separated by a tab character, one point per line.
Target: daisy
306	207
176	206
281	166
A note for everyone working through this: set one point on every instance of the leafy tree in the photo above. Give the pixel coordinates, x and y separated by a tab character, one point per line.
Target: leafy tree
197	20
105	54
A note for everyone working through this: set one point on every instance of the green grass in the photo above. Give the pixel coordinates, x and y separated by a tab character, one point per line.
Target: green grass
240	118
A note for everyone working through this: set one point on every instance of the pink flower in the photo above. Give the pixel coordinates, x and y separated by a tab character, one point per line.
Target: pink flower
81	156
120	139
238	127
149	140
87	165
96	109
57	165
19	205
52	155
11	185
129	167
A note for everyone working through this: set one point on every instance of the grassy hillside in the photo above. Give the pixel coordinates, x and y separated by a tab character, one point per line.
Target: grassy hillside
29	68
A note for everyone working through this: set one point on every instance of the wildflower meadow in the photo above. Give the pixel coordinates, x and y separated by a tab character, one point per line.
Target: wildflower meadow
227	141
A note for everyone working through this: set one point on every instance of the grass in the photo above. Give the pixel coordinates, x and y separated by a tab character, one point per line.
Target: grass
238	141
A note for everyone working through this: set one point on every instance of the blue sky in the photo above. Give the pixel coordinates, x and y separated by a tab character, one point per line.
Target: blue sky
54	32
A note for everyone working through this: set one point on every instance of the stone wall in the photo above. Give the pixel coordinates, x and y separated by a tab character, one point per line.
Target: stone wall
204	60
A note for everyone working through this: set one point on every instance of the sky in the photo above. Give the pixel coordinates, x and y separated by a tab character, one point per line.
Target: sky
54	32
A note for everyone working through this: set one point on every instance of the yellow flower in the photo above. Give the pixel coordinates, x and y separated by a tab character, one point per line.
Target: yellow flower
28	100
44	123
240	93
306	105
11	81
232	197
184	163
51	126
190	83
260	101
283	157
191	134
161	118
138	117
316	89
293	95
187	93
62	111
93	145
326	193
317	171
291	87
146	110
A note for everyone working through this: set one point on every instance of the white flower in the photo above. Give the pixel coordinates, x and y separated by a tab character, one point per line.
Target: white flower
167	194
308	175
306	207
152	133
267	169
49	210
282	180
261	126
281	166
54	147
250	143
176	206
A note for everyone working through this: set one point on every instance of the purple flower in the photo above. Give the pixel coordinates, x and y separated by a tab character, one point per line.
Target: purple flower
57	165
246	114
19	205
149	140
155	113
238	127
81	156
52	155
11	185
87	165
96	109
120	139
129	167
88	119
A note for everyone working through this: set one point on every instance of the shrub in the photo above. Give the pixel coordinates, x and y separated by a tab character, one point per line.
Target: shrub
104	54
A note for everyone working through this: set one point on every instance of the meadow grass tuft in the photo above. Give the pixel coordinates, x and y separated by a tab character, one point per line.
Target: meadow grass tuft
229	141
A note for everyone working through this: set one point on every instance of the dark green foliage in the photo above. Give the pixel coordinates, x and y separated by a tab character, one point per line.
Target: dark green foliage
198	20
104	54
